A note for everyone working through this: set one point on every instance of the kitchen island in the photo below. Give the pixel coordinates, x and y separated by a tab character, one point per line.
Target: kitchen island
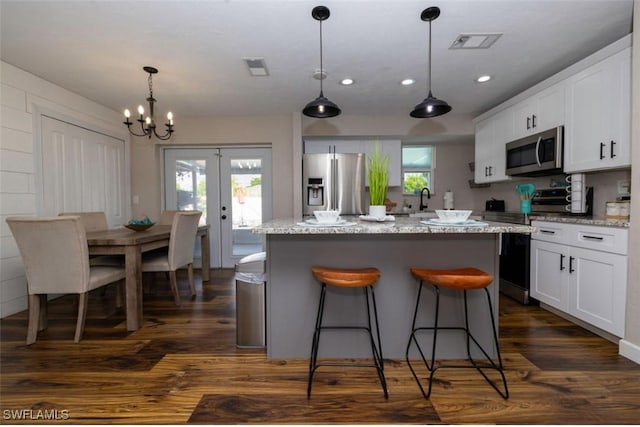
392	247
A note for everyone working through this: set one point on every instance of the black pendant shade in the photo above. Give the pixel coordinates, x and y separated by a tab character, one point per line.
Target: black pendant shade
431	106
321	107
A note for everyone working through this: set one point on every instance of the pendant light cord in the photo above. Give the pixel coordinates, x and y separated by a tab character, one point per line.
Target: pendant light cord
321	67
429	68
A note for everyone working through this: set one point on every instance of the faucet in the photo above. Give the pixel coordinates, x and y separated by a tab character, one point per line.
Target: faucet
422	205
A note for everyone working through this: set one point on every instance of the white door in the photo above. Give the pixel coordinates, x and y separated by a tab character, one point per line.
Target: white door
231	186
549	268
82	170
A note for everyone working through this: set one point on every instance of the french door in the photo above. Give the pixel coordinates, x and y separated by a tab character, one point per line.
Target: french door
232	188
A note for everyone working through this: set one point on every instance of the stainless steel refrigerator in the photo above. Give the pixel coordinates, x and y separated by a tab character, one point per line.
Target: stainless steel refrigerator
333	181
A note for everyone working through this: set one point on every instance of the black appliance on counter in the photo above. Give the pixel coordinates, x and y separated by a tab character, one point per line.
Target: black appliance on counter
515	247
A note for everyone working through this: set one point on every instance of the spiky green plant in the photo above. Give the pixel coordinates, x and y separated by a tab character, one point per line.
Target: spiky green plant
378	173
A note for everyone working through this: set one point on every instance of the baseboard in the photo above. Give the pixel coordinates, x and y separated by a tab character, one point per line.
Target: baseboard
629	350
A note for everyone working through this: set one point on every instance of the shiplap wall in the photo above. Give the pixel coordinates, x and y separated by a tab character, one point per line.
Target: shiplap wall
22	96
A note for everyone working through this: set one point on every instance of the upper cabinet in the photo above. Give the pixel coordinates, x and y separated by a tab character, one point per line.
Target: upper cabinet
591	98
598	116
389	147
492	134
540	112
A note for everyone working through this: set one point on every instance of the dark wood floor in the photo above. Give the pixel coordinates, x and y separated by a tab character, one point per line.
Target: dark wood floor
183	367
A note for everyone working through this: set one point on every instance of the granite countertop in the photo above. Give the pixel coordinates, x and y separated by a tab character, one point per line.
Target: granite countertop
582	220
401	225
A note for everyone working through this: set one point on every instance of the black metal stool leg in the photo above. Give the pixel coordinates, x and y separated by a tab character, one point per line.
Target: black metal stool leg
489	364
376	347
378	358
316	339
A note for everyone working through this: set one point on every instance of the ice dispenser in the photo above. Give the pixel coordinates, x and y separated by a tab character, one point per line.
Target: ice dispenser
315	192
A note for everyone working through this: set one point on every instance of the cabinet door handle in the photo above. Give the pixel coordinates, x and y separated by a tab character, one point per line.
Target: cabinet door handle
490	171
528	123
486	171
598	238
612	153
562	267
571	269
533	121
547	232
602	145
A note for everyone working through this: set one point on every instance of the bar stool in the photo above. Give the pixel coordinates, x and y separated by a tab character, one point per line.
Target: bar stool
348	278
464	279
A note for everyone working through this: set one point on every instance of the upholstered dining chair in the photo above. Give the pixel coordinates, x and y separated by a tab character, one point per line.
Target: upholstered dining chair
55	255
180	252
166	217
97	221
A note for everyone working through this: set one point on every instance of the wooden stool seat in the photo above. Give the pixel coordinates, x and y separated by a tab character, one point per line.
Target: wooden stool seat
346	278
458	278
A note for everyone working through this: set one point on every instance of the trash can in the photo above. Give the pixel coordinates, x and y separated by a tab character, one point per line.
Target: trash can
250	280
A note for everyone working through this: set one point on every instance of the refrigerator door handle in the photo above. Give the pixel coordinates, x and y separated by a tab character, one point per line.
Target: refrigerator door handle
335	185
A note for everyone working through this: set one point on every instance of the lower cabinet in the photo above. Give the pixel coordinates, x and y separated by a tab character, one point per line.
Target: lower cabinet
586	283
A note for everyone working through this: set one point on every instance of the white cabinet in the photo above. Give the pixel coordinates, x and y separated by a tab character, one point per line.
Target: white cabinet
333	146
491	137
598	116
389	147
581	270
540	112
549	281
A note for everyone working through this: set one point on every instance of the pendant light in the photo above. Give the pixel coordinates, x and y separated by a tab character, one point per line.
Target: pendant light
431	106
321	107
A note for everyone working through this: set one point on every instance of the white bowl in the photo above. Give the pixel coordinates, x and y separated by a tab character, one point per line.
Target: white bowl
326	217
452	215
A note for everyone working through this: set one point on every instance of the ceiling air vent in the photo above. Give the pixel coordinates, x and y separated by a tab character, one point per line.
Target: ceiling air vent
475	41
257	67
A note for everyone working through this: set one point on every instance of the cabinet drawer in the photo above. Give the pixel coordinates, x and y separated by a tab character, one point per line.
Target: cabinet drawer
605	239
554	232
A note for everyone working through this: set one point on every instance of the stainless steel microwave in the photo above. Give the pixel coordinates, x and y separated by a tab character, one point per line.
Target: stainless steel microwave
536	155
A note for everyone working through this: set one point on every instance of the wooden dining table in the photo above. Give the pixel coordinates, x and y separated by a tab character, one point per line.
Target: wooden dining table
132	244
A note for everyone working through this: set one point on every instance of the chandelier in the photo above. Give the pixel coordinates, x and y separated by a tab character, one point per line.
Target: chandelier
148	124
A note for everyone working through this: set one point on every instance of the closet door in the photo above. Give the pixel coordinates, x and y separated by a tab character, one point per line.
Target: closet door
82	170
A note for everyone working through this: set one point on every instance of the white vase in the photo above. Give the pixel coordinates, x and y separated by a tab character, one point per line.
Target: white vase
377	211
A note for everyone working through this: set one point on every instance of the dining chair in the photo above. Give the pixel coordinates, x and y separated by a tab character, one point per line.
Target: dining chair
55	255
166	217
180	252
97	221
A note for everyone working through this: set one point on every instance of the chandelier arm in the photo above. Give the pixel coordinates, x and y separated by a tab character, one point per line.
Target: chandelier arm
165	136
128	123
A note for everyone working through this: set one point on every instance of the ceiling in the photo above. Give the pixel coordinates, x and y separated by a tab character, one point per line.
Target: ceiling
97	49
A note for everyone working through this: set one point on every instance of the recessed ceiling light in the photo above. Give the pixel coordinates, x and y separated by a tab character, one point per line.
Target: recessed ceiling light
347	82
483	79
407	82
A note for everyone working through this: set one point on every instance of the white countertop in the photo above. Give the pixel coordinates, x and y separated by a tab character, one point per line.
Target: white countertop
401	225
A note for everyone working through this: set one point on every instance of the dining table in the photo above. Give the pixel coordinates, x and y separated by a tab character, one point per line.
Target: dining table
132	244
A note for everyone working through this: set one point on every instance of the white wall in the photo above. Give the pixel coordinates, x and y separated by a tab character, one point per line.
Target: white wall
21	94
630	346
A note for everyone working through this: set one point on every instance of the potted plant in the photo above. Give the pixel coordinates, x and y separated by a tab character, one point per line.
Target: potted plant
378	174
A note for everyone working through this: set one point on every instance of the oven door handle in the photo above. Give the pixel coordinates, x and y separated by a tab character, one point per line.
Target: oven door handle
538	151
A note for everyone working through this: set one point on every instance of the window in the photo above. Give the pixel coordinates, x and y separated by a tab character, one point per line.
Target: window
417	168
